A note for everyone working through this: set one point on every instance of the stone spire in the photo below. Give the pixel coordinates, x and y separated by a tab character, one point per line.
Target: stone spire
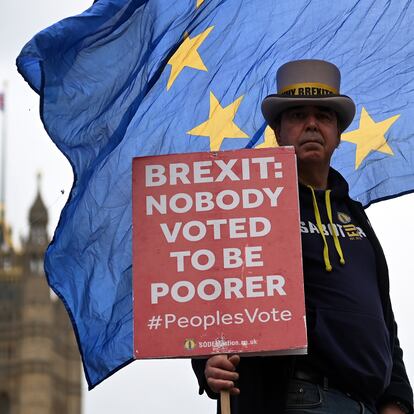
38	216
38	219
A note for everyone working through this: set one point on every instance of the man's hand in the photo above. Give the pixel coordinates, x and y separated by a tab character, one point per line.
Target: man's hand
221	373
391	409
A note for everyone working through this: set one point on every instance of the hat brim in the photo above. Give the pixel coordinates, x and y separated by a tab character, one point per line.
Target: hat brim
274	105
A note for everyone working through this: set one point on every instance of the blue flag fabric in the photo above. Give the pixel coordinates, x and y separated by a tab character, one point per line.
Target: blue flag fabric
143	77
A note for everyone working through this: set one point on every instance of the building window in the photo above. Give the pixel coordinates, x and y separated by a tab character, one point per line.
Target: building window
6	266
38	236
36	266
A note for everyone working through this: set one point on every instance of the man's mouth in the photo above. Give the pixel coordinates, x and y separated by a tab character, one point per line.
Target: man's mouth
312	140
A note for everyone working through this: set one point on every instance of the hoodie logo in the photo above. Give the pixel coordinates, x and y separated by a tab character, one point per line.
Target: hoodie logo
344	218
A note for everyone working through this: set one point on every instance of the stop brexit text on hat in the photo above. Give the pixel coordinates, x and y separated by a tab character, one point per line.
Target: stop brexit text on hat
217	262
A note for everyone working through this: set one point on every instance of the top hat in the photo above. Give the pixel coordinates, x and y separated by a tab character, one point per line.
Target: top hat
309	82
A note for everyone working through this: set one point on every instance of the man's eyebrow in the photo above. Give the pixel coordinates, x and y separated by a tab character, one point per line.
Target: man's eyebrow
326	109
304	107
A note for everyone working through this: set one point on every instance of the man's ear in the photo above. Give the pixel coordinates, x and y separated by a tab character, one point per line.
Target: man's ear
339	138
276	130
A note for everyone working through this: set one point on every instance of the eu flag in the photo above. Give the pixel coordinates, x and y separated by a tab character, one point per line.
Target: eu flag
143	77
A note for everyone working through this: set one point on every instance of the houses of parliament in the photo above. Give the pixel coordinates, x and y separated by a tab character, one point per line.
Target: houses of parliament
40	370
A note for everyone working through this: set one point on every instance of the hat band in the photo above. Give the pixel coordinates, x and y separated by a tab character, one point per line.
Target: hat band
308	89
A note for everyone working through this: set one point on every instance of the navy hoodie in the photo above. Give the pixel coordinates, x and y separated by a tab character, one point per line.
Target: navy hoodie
347	334
339	322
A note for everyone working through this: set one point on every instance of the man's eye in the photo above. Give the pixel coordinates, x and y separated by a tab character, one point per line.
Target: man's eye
297	115
325	116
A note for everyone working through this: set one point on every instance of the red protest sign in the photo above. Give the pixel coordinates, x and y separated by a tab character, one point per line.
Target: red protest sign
217	264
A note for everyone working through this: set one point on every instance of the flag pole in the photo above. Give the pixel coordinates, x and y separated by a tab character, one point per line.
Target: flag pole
3	155
225	402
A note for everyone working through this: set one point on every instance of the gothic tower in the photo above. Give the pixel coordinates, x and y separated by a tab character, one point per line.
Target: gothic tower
39	358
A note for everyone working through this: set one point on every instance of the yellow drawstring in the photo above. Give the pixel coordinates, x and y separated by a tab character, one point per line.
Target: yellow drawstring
335	236
338	248
328	265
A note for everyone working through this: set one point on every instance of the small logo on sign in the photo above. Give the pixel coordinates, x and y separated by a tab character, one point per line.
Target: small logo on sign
344	218
189	344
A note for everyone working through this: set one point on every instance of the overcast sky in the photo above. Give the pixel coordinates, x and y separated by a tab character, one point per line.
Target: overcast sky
150	386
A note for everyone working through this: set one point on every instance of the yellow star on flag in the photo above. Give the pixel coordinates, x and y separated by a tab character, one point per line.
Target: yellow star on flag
187	56
269	139
220	123
199	3
370	136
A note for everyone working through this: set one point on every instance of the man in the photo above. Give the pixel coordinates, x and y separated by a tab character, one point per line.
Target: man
354	362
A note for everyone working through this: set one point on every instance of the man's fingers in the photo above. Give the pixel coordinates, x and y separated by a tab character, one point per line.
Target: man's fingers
234	391
213	372
221	361
221	373
234	359
218	385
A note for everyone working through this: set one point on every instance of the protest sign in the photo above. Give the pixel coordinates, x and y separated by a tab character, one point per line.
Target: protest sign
217	258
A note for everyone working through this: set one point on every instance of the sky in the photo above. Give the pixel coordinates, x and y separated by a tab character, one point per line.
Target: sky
143	386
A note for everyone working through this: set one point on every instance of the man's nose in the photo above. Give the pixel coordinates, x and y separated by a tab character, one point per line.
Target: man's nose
311	122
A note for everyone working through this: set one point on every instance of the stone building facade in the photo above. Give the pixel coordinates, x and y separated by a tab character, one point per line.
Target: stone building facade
40	369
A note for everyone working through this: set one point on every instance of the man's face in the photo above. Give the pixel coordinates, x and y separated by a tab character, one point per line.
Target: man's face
312	130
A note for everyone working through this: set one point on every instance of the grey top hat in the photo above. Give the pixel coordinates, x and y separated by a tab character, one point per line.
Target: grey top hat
309	82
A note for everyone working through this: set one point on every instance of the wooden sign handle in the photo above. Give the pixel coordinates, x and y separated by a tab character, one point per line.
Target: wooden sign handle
225	402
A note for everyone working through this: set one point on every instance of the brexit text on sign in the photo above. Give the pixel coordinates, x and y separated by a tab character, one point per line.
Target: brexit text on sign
217	254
